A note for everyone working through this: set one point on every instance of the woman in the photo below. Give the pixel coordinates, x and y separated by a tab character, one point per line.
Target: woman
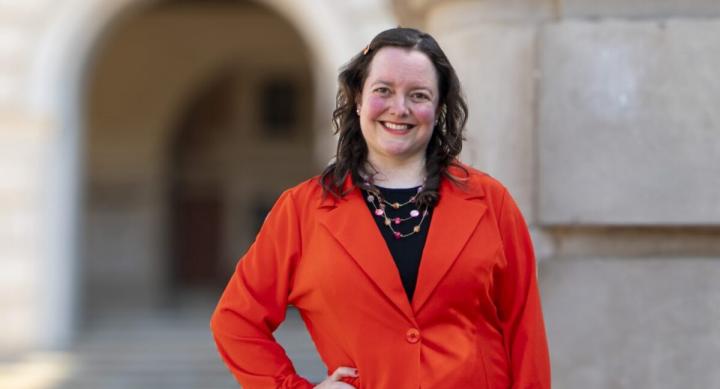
409	269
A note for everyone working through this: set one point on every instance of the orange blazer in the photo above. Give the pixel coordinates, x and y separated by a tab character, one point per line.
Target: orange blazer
474	321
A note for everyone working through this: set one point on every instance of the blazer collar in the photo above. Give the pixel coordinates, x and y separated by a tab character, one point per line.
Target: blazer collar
454	220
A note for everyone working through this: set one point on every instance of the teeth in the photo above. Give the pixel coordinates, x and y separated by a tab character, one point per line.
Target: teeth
394	126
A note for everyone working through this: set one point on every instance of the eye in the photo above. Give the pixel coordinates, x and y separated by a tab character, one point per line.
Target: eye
382	90
420	96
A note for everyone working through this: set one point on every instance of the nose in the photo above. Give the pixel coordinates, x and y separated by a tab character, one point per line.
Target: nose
399	106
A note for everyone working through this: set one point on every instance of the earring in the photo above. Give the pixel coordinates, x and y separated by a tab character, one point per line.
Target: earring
357	111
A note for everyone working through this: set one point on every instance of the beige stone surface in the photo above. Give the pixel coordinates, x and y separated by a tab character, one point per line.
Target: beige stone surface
467	14
633	322
628	123
23	141
496	63
439	14
640	8
631	241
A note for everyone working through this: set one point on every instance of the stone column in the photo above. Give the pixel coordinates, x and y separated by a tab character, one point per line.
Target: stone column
34	279
21	142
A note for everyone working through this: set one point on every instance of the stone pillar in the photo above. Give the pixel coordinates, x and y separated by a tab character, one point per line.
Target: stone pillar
24	277
35	281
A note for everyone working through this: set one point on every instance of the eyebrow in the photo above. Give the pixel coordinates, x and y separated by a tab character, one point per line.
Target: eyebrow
425	88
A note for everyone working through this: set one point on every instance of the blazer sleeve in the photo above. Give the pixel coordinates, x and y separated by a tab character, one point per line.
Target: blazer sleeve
255	301
518	301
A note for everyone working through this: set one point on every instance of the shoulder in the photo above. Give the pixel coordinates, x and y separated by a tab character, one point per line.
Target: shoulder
307	190
481	186
477	183
306	195
296	203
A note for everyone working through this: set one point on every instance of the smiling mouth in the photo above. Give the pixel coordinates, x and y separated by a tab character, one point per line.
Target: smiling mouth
397	127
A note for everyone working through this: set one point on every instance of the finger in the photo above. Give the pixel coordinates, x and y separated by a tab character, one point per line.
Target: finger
343	371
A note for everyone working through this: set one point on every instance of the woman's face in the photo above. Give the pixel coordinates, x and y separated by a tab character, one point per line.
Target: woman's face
398	105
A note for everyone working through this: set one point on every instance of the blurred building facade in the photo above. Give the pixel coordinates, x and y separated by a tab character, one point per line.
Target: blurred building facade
142	141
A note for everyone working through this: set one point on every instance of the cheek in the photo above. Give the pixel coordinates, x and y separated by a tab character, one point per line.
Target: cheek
425	113
375	106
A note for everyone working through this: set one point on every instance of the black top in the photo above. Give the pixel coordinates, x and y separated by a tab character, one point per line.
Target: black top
407	251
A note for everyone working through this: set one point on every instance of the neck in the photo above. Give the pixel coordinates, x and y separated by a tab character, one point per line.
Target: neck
391	173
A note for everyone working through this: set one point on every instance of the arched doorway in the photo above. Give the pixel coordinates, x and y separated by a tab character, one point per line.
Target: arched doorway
194	128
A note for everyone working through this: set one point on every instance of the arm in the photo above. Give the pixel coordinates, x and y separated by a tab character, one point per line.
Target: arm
518	301
254	304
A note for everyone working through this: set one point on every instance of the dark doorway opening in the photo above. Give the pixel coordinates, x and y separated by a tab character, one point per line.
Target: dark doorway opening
197	208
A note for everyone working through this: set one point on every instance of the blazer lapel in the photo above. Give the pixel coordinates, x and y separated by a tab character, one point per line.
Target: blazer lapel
453	222
351	223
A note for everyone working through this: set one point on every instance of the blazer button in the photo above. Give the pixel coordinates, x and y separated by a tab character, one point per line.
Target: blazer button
412	335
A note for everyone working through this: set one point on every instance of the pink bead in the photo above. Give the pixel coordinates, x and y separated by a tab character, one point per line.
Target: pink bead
379	212
414	213
397	220
397	235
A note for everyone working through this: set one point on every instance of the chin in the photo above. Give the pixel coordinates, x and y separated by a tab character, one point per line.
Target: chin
396	150
401	153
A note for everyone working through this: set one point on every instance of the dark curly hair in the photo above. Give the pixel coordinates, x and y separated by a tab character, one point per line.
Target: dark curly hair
447	137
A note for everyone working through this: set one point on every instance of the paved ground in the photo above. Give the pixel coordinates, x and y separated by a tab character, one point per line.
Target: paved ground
153	350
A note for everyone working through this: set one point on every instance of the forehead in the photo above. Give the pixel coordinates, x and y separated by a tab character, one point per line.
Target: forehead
400	65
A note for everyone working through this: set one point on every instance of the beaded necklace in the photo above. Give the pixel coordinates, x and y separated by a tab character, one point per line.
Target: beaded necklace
380	207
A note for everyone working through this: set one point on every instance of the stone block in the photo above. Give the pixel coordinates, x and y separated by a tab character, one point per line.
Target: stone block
496	64
633	323
640	8
629	130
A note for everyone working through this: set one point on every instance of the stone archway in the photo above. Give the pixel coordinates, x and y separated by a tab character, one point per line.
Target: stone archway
184	147
57	88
